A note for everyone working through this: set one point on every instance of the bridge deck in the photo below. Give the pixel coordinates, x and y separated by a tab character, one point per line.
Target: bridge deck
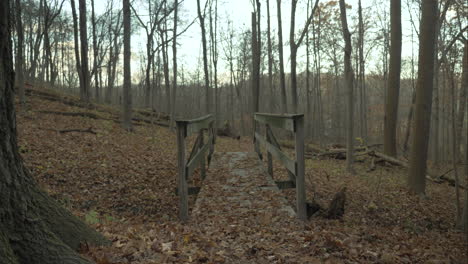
241	205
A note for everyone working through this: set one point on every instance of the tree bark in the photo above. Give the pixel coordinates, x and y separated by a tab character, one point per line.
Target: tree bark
349	74
201	18
174	64
424	87
284	104
33	227
84	95
19	54
127	95
393	86
77	47
270	61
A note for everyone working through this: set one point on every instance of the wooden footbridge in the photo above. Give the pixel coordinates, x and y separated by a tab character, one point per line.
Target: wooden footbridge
237	182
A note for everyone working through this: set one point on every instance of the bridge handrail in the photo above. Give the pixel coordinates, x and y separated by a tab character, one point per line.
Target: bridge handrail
196	156
296	167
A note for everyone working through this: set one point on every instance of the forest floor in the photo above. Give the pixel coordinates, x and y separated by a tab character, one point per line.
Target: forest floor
123	184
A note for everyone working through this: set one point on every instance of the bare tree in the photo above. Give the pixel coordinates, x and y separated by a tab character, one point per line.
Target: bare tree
270	60
127	93
84	85
349	75
393	86
174	62
284	105
424	87
294	46
201	18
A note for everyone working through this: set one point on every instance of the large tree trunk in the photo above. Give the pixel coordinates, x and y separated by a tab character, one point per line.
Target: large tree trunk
33	227
19	54
127	95
77	48
462	97
284	104
393	86
349	74
84	94
201	18
424	87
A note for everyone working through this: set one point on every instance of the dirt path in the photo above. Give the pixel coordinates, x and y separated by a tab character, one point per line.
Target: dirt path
237	196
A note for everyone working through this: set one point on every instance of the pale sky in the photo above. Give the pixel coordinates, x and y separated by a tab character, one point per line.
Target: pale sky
239	11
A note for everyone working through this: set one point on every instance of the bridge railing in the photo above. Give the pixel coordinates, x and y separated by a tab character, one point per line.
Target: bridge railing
295	167
197	157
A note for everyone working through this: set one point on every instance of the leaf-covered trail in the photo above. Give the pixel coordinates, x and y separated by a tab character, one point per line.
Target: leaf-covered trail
123	185
243	209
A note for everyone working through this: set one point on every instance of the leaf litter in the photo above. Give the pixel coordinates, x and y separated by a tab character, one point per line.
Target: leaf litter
123	185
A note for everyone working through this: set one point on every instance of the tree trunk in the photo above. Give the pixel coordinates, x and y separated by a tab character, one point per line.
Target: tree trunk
77	48
205	59
127	95
424	87
255	66
270	61
19	54
95	53
284	104
462	97
393	86
349	74
174	64
33	227
84	52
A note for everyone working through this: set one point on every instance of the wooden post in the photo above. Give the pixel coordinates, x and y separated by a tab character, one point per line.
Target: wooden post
183	190
202	162
300	168
269	157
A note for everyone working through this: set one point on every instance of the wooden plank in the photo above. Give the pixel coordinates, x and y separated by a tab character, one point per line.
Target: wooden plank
195	147
275	143
277	153
280	121
285	184
182	181
204	123
191	190
269	157
194	125
202	162
300	170
197	158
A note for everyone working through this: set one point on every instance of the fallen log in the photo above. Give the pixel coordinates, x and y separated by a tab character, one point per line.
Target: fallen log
82	114
89	130
63	131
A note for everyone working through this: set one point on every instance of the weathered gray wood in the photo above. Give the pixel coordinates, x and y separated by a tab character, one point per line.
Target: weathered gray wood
195	148
277	153
269	157
275	143
191	190
197	158
277	121
280	121
285	184
194	125
202	162
300	169
182	184
256	145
